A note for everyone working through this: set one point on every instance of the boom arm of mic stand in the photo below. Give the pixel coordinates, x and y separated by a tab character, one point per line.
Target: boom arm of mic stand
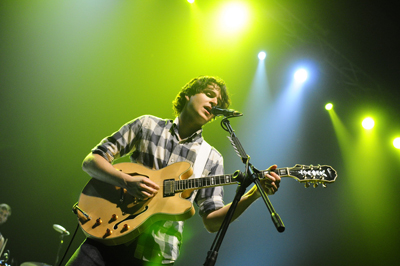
252	171
276	219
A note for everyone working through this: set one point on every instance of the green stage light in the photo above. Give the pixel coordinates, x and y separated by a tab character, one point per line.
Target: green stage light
396	143
328	106
191	1
368	123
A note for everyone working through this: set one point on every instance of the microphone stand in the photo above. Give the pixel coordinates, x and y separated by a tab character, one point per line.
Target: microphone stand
251	175
59	247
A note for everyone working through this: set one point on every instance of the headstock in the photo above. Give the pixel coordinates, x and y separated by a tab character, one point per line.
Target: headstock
310	174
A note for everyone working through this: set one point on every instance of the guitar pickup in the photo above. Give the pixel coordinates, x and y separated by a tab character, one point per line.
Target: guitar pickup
169	187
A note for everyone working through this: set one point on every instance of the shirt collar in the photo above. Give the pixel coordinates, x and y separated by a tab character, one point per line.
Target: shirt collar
194	137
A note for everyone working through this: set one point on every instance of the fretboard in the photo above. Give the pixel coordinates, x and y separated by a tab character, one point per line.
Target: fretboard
172	186
204	182
219	180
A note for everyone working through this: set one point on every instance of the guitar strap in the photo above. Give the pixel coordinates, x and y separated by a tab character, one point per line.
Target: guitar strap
200	163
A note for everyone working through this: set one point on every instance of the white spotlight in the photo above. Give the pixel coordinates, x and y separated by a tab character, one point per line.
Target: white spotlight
262	55
301	75
396	143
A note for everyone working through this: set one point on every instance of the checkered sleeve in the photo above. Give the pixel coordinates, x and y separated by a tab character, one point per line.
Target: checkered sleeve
121	142
211	199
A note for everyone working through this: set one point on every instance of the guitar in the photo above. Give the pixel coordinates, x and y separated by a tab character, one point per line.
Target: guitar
112	216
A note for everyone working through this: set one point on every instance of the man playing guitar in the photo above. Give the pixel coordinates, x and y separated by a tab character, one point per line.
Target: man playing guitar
157	143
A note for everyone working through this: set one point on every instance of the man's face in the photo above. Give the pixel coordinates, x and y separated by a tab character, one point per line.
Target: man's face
3	215
199	105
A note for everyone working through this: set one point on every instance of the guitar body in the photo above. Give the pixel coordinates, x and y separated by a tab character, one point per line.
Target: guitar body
116	217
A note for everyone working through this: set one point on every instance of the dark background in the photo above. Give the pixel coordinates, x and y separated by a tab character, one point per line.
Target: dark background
72	72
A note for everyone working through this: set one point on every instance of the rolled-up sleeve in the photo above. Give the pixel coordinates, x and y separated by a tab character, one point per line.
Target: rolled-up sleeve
211	199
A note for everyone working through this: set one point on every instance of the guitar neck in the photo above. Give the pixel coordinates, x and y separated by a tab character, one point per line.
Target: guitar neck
204	182
303	173
219	180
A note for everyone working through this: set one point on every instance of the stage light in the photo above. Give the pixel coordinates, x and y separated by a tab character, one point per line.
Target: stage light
396	143
191	1
328	106
301	75
262	55
368	123
234	16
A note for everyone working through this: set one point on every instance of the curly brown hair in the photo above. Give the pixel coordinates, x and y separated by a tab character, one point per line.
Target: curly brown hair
197	85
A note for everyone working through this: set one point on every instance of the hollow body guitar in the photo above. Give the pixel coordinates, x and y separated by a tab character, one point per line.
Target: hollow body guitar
112	216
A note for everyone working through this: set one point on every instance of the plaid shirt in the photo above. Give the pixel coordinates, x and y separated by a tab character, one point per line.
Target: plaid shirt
154	142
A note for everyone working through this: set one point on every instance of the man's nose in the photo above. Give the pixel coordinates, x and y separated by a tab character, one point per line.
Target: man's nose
214	102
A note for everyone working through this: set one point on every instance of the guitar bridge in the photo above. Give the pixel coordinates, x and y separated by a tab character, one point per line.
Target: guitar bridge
169	187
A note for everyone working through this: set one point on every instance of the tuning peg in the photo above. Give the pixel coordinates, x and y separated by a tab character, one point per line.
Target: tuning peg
324	185
315	185
306	184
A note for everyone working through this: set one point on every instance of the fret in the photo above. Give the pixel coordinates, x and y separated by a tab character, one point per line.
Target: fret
279	171
198	181
283	171
177	185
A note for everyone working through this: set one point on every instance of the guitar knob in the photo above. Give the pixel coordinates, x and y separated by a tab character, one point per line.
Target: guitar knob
125	228
97	223
315	185
306	184
108	232
323	185
114	217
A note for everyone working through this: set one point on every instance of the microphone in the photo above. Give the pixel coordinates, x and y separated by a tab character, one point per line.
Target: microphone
60	229
225	112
